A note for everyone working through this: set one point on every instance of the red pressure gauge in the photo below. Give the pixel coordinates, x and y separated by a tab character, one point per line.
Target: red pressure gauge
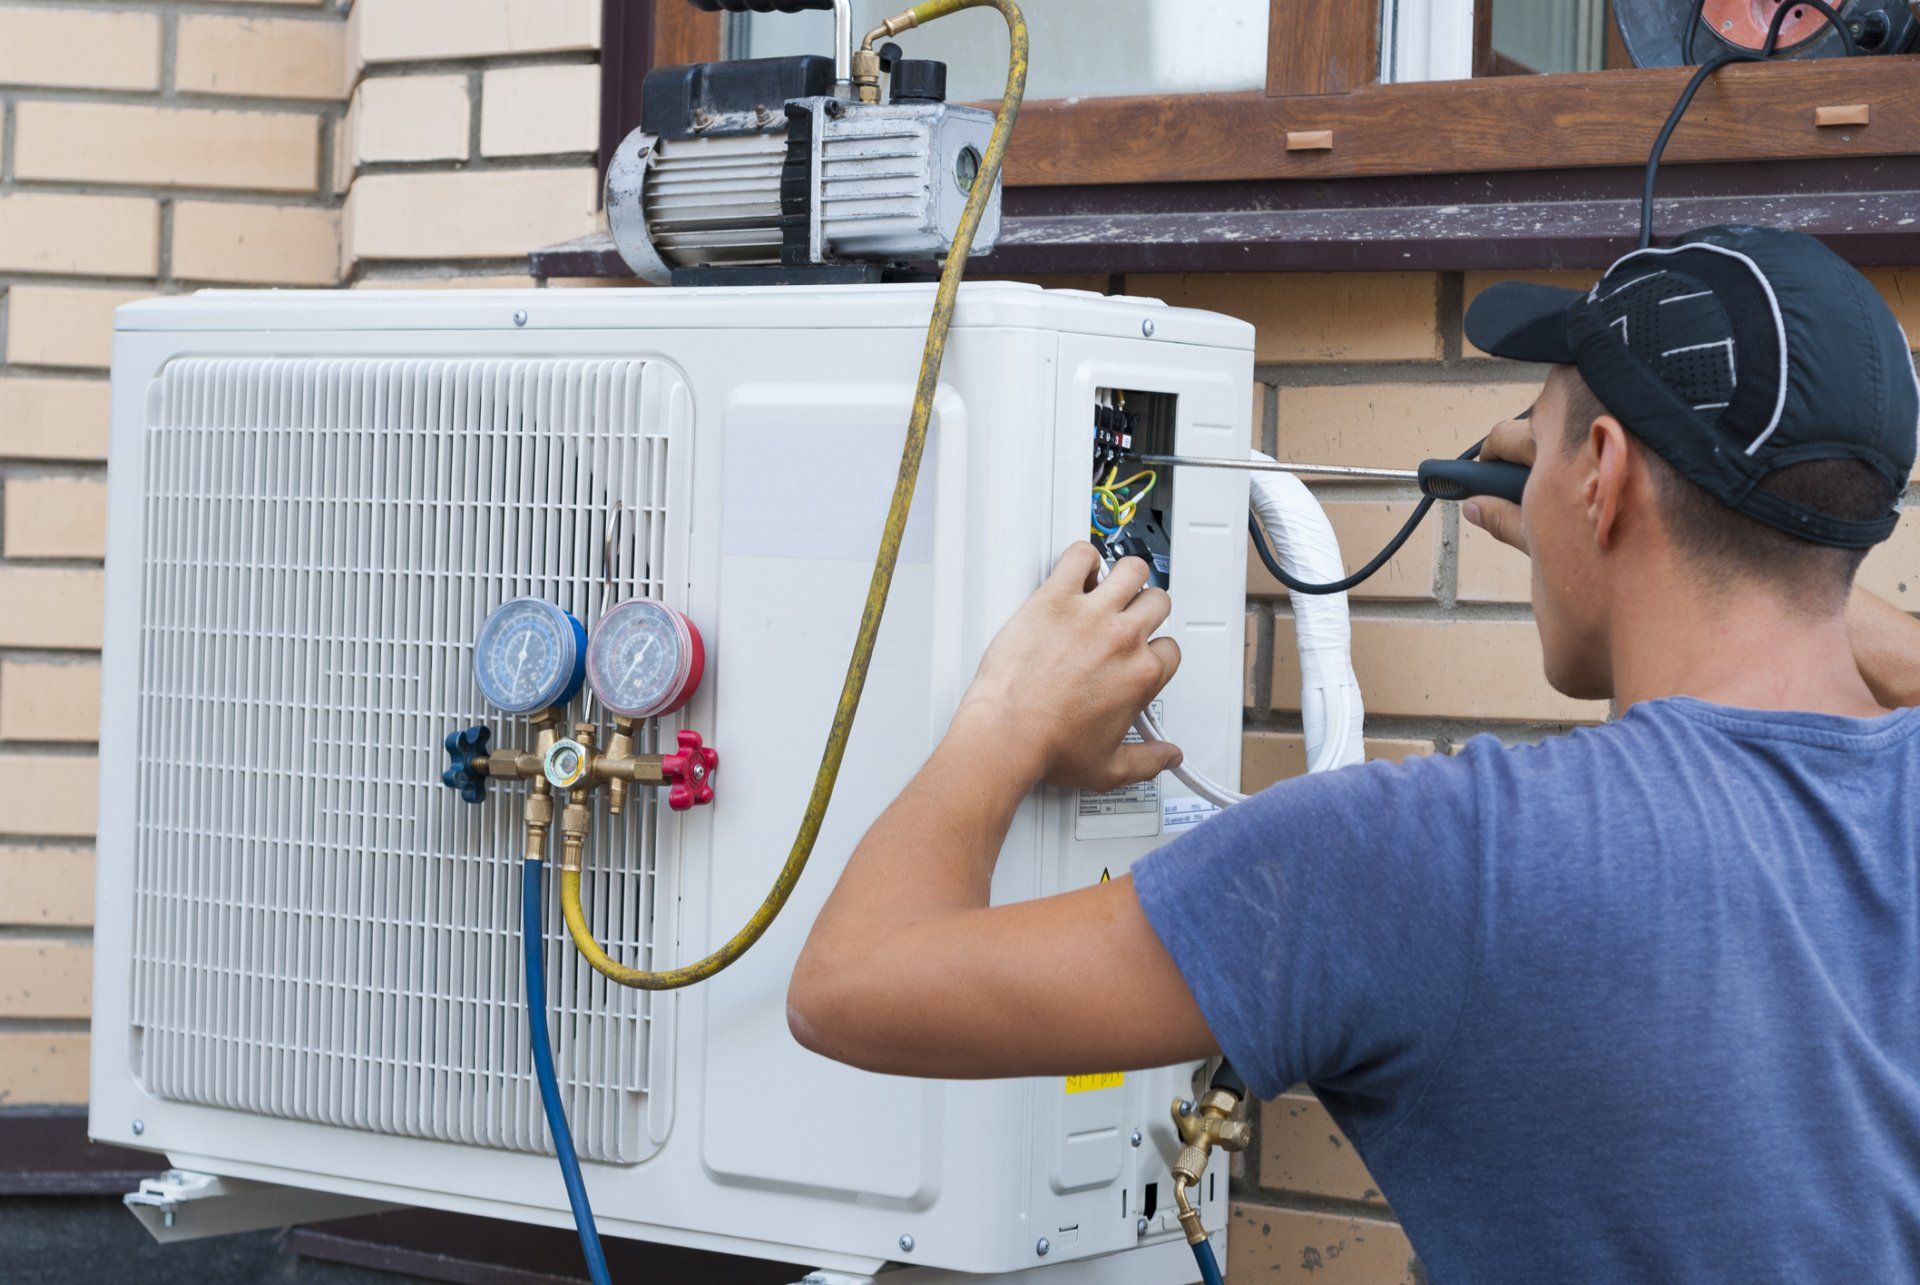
645	659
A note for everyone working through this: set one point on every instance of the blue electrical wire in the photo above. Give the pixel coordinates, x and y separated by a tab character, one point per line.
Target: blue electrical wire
1209	1265
533	935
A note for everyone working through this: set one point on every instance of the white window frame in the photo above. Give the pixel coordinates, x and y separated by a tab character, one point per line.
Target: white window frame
1426	40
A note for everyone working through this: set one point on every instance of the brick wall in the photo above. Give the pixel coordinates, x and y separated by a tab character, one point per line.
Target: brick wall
469	139
1372	369
145	148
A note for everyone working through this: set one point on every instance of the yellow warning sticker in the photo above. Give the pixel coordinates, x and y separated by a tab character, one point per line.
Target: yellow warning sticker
1106	876
1098	1080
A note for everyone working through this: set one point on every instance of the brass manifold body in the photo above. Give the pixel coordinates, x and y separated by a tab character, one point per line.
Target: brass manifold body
1211	1122
577	766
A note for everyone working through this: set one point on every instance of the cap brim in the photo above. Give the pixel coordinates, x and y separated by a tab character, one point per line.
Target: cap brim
1524	321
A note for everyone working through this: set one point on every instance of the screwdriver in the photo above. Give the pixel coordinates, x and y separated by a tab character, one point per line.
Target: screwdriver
1441	479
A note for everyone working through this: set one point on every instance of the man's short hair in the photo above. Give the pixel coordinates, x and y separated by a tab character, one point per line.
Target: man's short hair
1730	542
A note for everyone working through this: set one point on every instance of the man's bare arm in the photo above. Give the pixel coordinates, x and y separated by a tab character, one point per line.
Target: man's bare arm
909	970
1886	646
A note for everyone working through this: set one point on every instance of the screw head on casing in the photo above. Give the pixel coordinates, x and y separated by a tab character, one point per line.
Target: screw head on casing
1136	1138
520	317
1043	1247
1147	327
1141	1227
139	1127
906	1244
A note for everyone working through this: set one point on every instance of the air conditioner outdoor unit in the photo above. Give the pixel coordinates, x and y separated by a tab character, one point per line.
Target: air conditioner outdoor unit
307	949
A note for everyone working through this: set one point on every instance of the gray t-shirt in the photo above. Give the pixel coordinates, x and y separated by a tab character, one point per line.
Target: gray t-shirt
1641	1003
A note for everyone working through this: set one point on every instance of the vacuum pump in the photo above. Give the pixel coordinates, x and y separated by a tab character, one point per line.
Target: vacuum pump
779	170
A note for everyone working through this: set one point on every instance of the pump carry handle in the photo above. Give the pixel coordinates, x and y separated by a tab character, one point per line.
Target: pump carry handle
760	6
1464	479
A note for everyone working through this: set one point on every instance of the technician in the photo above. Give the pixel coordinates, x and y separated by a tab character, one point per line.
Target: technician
1641	1002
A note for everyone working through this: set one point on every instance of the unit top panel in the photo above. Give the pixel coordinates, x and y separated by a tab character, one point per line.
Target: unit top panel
991	304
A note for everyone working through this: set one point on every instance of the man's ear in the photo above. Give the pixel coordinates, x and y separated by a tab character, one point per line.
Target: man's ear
1610	478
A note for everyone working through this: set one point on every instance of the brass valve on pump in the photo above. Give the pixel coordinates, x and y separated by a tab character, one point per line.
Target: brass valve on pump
1210	1121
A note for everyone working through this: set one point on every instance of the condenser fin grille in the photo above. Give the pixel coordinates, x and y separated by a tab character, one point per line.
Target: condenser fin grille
322	931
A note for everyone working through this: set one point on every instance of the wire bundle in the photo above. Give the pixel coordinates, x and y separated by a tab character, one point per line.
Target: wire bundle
1120	501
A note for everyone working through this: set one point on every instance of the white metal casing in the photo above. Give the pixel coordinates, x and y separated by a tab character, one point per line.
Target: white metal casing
783	412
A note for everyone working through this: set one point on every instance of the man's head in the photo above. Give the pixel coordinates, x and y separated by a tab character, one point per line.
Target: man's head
1738	411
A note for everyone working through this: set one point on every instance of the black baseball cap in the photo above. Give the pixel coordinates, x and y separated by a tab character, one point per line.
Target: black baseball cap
1733	352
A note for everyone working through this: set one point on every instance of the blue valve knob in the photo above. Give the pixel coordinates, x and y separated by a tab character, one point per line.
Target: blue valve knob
462	749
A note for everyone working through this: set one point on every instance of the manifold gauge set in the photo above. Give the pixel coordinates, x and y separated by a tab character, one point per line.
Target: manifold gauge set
645	660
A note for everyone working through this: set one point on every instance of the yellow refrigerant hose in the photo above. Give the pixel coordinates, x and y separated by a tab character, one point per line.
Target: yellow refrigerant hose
889	555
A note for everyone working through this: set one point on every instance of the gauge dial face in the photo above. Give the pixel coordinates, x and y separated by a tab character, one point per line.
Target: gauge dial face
646	659
528	656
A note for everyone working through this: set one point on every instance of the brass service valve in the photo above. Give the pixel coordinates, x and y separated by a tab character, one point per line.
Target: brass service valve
1211	1122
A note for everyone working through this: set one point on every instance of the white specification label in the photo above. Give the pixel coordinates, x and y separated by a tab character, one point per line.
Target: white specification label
1179	815
1131	813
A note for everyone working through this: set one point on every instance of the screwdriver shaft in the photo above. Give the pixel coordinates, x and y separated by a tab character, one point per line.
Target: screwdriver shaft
1263	466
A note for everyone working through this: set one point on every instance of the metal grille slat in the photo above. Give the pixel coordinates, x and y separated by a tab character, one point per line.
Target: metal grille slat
322	932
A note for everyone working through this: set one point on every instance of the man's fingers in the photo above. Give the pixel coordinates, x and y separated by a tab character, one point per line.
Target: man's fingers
1149	610
1498	518
1134	763
1167	652
1075	571
1512	440
1128	577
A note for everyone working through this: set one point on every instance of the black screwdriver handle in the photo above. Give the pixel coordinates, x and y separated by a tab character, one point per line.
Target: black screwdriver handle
760	6
1464	479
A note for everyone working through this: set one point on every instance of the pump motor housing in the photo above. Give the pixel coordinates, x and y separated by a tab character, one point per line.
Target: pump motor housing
760	164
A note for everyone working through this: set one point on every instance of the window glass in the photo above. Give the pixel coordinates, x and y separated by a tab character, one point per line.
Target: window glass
1532	37
1081	48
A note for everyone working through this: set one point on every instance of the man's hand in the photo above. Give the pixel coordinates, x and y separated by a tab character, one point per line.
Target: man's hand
1511	441
1065	678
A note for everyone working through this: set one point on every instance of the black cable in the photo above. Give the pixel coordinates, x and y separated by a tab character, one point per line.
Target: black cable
1693	25
1700	78
1381	559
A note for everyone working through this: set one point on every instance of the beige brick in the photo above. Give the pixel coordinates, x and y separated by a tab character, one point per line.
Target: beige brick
110	236
53	419
257	244
1303	317
422	29
1479	281
536	111
1266	757
411	118
46	887
43	979
1258	419
43	1068
1278	1246
1901	286
1250	664
261	57
1893	569
63	325
1393	425
494	214
55	796
1363	528
50	608
167	146
1491	571
1303	1150
1443	669
45	701
56	517
78	49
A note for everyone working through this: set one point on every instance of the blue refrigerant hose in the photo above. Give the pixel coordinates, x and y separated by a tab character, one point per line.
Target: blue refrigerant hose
1209	1265
534	937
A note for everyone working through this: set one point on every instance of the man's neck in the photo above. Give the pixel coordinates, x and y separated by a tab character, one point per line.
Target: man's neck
1732	644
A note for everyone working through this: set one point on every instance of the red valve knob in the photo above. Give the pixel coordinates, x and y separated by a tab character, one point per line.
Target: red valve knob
690	772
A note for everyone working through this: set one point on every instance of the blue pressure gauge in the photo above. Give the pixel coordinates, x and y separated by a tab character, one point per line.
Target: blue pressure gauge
530	656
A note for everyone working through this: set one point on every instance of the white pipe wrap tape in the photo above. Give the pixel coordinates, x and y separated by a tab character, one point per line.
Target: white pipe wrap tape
1302	538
